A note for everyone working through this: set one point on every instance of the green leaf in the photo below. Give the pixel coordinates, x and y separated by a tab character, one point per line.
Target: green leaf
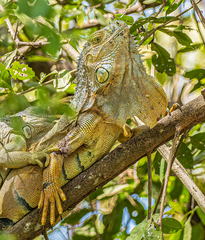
5	79
185	157
177	236
173	7
201	215
198	141
190	48
170	225
149	1
100	17
127	19
153	234
114	226
152	231
138	231
196	73
21	71
2	19
14	103
80	18
162	60
157	162
28	22
43	76
181	37
112	190
198	232
141	21
187	229
36	8
62	80
9	58
44	28
75	217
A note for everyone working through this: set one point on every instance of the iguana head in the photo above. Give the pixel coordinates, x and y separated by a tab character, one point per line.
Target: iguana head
112	78
32	123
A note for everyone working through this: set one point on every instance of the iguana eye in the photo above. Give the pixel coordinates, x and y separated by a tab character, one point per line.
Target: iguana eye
27	131
102	75
96	39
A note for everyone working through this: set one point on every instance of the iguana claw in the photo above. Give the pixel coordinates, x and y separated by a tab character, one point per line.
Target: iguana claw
52	193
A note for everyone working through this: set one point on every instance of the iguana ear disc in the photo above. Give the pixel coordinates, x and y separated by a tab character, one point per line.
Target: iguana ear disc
102	75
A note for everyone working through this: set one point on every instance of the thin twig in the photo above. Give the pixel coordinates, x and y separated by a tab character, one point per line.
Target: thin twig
33	44
41	85
198	28
198	11
163	4
130	6
149	185
169	165
173	154
164	24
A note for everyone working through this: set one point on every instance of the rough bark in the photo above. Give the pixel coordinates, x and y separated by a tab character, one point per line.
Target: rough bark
116	162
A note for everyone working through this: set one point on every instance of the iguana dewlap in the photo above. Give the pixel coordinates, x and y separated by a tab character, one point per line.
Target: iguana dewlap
112	87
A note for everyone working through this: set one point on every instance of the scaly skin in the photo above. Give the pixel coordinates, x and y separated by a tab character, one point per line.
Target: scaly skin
14	142
112	87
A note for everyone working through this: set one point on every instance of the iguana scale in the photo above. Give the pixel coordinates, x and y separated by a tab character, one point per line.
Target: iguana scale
112	87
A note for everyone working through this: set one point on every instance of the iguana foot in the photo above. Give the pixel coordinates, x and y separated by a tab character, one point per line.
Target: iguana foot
175	106
39	158
131	132
169	111
52	193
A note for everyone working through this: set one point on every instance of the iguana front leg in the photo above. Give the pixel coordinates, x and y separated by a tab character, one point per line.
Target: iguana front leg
51	189
14	155
20	159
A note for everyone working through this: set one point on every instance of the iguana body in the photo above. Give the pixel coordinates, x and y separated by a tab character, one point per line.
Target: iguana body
14	142
112	87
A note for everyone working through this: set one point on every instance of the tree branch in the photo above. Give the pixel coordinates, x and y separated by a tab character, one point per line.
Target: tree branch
116	162
198	11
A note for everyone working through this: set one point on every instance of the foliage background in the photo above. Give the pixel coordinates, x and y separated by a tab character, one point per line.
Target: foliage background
37	69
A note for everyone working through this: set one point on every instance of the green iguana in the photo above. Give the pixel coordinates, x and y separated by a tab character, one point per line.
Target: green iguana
112	87
17	132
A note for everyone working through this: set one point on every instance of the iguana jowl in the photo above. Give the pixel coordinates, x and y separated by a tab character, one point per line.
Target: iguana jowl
112	87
